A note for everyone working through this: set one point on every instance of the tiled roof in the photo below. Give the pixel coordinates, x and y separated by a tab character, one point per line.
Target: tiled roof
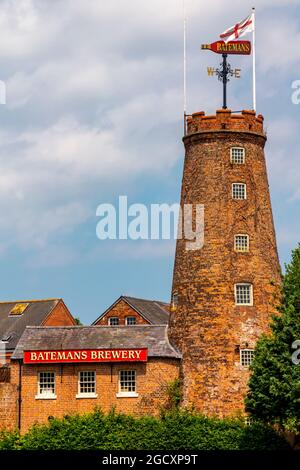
154	311
12	326
153	337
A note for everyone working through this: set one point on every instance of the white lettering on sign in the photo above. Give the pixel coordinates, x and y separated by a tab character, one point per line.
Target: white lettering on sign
95	355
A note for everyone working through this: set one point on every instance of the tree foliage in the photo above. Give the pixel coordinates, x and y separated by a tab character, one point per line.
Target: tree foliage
174	393
274	386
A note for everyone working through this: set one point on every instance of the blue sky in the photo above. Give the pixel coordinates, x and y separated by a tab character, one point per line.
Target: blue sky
94	111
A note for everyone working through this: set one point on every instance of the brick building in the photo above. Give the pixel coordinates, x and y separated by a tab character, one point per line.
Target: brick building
132	311
127	370
15	316
223	296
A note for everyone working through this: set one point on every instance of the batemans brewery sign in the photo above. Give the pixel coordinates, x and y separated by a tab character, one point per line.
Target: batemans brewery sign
85	355
231	47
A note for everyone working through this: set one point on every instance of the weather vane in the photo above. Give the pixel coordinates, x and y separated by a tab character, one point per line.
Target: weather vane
225	71
228	44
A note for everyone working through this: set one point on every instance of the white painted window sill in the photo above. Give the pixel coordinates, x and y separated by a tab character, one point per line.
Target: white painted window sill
127	395
45	397
87	395
244	305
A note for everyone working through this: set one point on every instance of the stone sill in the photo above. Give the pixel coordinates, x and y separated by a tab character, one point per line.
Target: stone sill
45	397
87	395
127	395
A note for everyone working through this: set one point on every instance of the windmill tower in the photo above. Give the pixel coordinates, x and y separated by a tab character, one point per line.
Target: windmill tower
224	294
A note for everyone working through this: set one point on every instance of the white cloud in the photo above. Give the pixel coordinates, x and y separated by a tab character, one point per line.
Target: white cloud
94	96
283	157
278	43
26	27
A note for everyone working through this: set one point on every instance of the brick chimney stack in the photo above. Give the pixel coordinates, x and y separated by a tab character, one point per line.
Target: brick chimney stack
225	293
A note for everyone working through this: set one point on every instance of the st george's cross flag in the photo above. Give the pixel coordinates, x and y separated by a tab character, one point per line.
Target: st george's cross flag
239	29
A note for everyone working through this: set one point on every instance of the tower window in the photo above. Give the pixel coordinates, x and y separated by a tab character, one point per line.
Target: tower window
241	242
248	420
243	294
237	155
239	191
174	301
113	321
130	321
246	356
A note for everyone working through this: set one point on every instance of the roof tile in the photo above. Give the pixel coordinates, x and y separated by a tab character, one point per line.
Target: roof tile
153	337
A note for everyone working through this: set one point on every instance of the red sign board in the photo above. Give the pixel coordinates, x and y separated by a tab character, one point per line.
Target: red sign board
85	355
231	47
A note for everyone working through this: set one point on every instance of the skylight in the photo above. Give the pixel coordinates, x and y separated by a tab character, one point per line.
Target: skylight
18	309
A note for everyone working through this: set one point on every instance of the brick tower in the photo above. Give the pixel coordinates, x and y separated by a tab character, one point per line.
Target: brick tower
223	295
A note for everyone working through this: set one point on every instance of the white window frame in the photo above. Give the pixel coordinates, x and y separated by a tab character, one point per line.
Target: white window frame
174	301
232	158
245	191
236	295
45	396
122	393
110	318
130	324
248	242
248	420
89	394
241	356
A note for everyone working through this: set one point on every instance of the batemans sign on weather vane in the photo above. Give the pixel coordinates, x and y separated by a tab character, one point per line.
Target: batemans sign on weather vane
230	45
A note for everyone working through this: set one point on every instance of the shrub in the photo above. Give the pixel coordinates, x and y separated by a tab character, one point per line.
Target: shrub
9	440
175	430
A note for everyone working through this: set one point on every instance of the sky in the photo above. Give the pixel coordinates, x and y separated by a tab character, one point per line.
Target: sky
94	104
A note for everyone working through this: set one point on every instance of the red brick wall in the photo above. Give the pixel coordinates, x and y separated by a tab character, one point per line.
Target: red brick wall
5	359
152	380
8	406
207	325
122	310
60	316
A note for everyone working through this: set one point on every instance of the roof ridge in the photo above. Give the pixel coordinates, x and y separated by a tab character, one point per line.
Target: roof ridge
28	300
93	326
161	308
140	298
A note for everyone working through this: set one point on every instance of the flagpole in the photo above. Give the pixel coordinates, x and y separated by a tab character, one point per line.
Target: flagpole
184	68
254	60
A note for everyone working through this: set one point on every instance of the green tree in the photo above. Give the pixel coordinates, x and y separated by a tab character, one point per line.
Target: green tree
274	386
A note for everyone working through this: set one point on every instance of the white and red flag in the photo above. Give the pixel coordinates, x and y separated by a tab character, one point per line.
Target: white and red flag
239	29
